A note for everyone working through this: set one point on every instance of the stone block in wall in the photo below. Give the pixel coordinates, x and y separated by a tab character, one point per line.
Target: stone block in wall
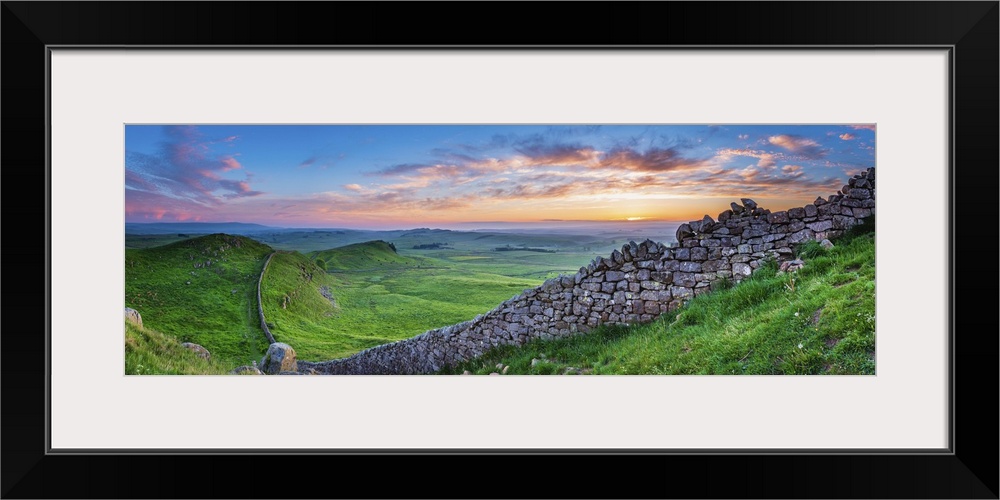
662	277
691	242
748	203
741	270
796	213
736	208
691	267
743	257
843	221
618	257
859	194
683	279
778	218
801	236
652	285
711	242
811	210
634	287
680	292
861	213
669	265
699	253
724	216
850	202
684	231
721	230
726	252
645	264
795	226
820	226
755	241
753	233
711	265
715	253
682	254
744	248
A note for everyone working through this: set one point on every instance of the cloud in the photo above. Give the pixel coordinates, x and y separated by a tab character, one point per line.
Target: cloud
847	136
651	160
558	154
799	145
743	137
183	176
765	159
308	162
792	170
868	126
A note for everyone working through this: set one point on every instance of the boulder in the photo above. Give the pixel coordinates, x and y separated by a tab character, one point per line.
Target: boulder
280	357
133	316
748	203
246	370
826	244
199	350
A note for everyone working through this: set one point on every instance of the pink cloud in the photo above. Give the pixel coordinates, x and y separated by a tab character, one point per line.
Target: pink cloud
792	170
869	126
230	163
847	136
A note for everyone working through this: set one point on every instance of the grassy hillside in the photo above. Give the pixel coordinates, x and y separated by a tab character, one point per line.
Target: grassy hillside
301	304
367	255
149	352
201	290
371	296
819	320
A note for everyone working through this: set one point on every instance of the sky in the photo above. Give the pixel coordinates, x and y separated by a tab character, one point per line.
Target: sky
472	176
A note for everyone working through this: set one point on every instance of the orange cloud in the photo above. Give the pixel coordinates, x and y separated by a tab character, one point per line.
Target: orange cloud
848	136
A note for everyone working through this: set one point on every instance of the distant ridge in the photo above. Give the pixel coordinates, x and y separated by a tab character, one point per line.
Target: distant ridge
195	227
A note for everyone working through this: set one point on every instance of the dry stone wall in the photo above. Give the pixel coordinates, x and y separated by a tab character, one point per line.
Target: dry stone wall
632	285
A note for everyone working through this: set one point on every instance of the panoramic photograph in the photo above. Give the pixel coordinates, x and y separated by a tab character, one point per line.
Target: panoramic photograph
594	249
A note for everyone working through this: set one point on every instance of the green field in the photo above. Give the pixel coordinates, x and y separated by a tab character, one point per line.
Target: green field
201	290
333	302
819	320
376	296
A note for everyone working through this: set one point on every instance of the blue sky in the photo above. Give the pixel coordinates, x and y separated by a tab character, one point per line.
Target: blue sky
403	176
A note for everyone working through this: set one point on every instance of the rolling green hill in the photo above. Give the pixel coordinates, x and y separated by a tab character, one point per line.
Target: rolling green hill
201	290
367	255
370	295
818	320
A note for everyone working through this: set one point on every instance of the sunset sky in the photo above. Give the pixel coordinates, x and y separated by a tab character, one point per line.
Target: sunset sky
465	176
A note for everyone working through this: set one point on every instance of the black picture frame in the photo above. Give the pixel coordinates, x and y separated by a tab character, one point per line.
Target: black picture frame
969	470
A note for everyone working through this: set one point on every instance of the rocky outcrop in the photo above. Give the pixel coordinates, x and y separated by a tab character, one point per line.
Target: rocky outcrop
633	285
246	370
133	316
197	349
280	357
